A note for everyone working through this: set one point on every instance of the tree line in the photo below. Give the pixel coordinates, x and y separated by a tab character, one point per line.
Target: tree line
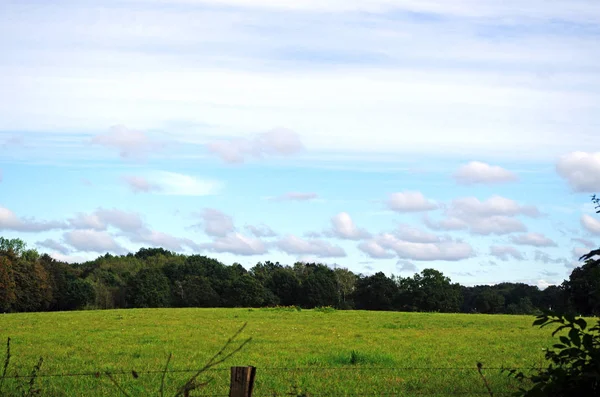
155	277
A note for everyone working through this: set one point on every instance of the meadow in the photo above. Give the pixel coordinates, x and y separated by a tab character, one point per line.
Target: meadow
319	352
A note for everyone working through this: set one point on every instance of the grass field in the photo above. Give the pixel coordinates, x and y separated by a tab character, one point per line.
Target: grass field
319	352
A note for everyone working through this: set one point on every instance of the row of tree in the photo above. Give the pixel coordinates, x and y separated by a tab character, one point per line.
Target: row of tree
154	277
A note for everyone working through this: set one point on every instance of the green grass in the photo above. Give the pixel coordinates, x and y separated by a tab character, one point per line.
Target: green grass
322	352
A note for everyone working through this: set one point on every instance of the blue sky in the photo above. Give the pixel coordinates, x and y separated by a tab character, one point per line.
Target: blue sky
376	135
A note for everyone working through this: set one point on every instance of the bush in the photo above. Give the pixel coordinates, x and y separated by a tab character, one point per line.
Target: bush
574	367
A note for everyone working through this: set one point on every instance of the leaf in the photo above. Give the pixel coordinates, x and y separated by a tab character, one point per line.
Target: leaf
557	330
574	335
582	323
588	342
565	340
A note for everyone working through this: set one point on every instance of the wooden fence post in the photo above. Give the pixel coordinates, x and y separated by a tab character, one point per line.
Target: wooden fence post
242	381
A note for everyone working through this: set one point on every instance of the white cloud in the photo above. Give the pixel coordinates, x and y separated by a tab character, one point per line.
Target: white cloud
406	267
93	241
578	10
261	231
162	240
54	245
533	239
297	196
541	256
586	243
175	184
139	184
294	245
495	215
279	141
87	221
69	258
590	224
410	201
477	172
444	250
495	205
343	227
578	252
505	252
581	170
101	218
237	244
10	221
415	235
216	223
374	250
129	143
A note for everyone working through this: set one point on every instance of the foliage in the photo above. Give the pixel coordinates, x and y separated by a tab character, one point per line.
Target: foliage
149	288
155	277
574	367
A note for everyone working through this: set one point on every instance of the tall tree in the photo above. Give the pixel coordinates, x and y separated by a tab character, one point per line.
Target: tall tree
7	284
582	289
376	292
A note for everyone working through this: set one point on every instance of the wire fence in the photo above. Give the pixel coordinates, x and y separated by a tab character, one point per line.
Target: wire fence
290	369
316	381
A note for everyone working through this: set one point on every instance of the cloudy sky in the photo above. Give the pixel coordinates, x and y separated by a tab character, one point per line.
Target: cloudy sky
379	135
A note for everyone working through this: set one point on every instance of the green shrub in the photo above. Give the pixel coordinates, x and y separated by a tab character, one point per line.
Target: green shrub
574	367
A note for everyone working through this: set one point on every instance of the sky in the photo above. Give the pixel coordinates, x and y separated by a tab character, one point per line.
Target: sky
375	135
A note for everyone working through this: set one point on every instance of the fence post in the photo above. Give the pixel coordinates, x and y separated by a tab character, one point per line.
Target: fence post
242	381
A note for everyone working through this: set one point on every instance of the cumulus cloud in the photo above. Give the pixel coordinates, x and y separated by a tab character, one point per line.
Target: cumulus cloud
343	227
139	184
155	238
581	170
175	184
578	252
415	235
53	245
215	223
294	245
541	256
505	252
260	231
444	250
279	141
10	221
590	224
93	241
68	258
297	196
374	250
587	243
410	201
238	244
495	205
477	172
129	143
495	215
533	239
101	218
479	225
406	267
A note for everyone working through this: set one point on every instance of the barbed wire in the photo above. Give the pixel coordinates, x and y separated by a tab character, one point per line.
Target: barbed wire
100	373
